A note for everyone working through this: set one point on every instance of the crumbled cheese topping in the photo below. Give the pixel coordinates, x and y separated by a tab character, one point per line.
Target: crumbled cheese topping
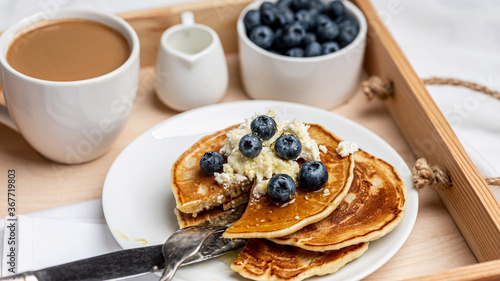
261	168
347	147
201	190
323	148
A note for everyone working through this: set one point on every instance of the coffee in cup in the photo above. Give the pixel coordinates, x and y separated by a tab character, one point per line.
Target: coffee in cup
68	50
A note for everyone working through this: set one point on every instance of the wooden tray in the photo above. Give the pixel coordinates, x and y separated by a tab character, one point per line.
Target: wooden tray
470	202
435	243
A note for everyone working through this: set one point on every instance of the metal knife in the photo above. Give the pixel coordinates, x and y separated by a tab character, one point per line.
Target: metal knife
140	261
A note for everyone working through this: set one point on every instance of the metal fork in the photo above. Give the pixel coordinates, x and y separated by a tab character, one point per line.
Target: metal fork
195	244
185	246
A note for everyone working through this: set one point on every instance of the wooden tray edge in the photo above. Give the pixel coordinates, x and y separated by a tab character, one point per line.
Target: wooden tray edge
470	201
486	271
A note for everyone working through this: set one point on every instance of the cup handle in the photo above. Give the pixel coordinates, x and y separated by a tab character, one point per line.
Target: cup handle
6	119
187	18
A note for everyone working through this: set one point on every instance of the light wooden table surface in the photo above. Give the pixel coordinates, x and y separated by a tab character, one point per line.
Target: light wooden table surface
435	244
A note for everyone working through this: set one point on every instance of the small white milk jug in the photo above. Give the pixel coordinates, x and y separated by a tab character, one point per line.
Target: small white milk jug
191	68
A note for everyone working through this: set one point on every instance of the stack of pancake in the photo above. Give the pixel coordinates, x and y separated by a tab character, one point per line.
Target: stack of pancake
315	233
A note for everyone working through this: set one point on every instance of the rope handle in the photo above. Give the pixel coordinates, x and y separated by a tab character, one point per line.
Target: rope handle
375	87
425	174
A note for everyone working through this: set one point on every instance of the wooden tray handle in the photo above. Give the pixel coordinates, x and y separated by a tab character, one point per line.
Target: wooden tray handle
470	203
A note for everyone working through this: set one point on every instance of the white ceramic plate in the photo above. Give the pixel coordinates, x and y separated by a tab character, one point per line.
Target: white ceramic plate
138	204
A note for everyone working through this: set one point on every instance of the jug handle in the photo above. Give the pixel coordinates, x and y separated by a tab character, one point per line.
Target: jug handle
187	18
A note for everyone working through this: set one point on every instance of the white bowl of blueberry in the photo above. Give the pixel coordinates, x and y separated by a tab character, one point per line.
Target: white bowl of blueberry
303	51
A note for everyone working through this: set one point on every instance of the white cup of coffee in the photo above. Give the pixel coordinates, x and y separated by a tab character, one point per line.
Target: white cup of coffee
191	68
69	117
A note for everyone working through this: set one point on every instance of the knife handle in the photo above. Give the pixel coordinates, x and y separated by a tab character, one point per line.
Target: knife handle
108	266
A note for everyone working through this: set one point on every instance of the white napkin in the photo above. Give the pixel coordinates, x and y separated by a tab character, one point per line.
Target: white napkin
58	236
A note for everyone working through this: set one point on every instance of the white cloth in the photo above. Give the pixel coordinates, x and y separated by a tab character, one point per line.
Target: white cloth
446	38
12	10
455	38
58	236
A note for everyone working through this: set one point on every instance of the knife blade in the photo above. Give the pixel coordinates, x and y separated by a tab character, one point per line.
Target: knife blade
124	263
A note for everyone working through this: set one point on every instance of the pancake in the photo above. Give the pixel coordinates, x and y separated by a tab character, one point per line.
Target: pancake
373	207
261	259
215	216
195	191
221	215
266	219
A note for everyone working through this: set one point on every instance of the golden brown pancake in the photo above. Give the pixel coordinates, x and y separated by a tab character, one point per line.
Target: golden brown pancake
221	215
215	216
261	259
196	191
373	207
265	219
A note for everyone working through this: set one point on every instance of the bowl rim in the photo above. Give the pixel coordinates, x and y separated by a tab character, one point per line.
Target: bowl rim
356	43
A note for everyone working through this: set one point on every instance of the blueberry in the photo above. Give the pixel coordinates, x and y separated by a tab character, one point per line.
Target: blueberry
251	19
336	10
279	45
309	38
295	52
264	127
348	20
267	13
347	35
313	49
267	5
278	32
329	47
328	32
281	188
300	4
284	17
312	175
250	145
293	35
211	163
262	36
317	6
322	20
305	18
288	147
284	3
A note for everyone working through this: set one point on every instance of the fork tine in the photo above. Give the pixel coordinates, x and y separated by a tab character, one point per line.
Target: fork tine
184	244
